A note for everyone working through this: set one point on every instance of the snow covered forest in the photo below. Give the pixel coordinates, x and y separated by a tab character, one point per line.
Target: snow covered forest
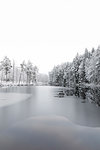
10	74
81	77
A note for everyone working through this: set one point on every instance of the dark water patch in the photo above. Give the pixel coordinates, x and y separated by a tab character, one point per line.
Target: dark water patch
59	94
83	101
69	91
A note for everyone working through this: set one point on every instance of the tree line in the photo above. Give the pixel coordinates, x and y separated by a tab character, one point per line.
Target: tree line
81	74
26	73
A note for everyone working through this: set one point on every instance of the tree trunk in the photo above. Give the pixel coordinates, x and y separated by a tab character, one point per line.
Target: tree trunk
27	79
6	76
19	78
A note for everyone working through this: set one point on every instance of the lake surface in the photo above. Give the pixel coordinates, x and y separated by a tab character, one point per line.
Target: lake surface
47	121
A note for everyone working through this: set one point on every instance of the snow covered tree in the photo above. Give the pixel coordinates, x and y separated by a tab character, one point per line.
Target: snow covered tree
81	72
6	66
31	72
28	71
76	64
22	72
67	75
97	66
34	74
92	67
83	75
51	78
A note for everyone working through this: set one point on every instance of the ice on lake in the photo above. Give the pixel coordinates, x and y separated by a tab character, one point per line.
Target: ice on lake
48	122
12	98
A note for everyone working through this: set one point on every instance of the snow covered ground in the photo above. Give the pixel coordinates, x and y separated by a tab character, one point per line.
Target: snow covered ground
11	98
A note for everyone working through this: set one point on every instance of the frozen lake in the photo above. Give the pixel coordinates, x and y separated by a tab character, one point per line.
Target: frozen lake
45	121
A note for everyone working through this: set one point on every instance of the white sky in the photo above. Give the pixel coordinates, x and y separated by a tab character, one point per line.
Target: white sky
48	32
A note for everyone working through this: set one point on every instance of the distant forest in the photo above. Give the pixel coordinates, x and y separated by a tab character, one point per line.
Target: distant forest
81	76
26	73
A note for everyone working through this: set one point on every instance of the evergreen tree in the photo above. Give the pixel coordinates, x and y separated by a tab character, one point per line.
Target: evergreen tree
6	66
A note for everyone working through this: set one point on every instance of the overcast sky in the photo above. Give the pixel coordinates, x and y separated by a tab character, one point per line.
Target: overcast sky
48	32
